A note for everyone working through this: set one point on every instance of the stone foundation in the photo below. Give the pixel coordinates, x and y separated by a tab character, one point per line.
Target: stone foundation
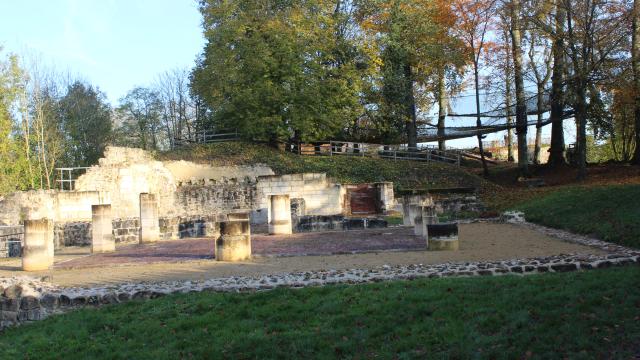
11	238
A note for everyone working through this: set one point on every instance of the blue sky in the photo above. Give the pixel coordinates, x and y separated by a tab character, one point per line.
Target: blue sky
119	44
113	44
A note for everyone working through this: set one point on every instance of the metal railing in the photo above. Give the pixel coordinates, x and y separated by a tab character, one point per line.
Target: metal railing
68	182
392	152
206	137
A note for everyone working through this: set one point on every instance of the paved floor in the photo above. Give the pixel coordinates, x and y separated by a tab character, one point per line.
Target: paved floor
193	258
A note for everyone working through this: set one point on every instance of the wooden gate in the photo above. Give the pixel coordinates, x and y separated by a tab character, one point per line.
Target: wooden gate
363	200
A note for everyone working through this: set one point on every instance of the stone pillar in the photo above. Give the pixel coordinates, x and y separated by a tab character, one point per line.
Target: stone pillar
280	215
429	215
419	224
234	243
409	210
407	217
37	253
443	237
102	231
149	222
385	196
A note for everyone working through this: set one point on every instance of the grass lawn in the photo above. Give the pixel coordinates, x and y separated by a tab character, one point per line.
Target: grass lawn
344	169
611	213
593	314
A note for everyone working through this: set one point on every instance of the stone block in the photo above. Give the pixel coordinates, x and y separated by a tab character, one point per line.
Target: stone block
280	215
443	237
49	301
102	240
149	220
29	302
234	243
38	245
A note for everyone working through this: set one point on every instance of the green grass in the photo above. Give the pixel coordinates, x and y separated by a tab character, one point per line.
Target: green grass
344	169
591	314
611	213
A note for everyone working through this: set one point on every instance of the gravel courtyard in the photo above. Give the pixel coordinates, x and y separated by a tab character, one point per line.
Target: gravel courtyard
192	259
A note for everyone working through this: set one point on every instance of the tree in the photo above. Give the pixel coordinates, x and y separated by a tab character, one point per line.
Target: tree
179	111
556	150
593	38
417	53
13	172
270	70
635	64
521	106
86	118
540	57
139	114
472	27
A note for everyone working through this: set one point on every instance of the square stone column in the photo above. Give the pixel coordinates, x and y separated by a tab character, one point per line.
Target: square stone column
37	253
385	196
280	215
443	237
419	224
102	230
234	243
429	215
149	221
409	211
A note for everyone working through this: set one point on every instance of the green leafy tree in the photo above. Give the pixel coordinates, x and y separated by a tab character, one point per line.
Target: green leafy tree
277	70
86	118
139	117
13	174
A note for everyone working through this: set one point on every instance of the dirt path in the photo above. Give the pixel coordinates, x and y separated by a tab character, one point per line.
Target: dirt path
478	242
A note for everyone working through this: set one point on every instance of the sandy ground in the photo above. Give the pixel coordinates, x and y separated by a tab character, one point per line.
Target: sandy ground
478	242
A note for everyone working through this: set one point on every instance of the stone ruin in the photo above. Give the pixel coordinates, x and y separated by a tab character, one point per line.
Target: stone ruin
189	200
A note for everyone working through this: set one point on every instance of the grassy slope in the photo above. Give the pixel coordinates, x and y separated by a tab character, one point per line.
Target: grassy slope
574	315
611	213
344	169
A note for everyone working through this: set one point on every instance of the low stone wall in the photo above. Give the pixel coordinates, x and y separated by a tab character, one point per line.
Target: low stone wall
455	204
11	238
126	230
336	222
77	233
19	306
188	227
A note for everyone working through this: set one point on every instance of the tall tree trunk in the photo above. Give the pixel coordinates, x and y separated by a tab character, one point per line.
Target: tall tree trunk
412	128
485	169
635	56
540	106
442	108
521	107
509	121
581	127
507	100
556	152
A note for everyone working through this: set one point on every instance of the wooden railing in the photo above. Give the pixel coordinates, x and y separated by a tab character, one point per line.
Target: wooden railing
392	152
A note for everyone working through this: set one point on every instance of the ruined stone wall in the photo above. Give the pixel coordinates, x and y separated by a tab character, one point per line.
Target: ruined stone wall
209	197
189	171
58	206
124	173
321	197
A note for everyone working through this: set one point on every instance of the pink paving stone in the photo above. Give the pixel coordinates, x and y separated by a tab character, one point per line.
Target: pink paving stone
316	243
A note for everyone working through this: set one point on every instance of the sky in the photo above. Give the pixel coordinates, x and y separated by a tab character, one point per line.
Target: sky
117	45
113	44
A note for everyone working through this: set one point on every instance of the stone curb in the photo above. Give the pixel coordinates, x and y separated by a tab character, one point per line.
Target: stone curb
27	300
